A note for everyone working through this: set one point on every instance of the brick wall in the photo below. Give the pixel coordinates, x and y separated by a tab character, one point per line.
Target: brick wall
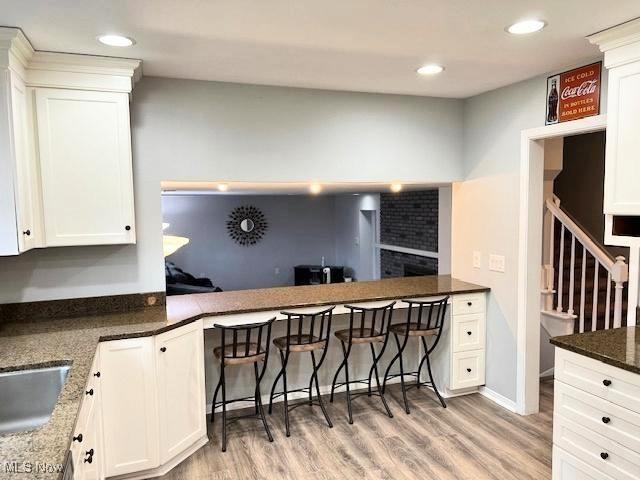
408	219
392	263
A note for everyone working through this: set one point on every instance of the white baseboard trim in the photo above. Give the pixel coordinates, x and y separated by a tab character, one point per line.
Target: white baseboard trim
547	373
501	400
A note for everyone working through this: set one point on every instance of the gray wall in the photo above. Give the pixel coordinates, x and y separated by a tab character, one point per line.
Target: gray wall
486	211
191	130
301	230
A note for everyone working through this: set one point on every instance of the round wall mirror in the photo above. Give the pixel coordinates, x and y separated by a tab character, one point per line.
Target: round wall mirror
247	225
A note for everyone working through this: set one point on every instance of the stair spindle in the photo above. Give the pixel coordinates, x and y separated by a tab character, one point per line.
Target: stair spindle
583	286
594	311
560	269
572	274
607	316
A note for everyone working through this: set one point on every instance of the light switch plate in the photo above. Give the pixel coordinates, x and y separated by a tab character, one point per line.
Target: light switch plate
496	263
477	259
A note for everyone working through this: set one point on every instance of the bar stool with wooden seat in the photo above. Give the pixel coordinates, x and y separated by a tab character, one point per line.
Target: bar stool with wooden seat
425	319
367	326
249	345
306	332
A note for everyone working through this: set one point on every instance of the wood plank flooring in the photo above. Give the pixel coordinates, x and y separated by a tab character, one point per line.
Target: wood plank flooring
471	439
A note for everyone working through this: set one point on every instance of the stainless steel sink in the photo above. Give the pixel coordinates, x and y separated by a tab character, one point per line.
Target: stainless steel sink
28	397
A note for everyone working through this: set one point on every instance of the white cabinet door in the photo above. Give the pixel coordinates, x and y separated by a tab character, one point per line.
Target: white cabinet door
129	405
181	391
93	450
85	163
27	181
622	165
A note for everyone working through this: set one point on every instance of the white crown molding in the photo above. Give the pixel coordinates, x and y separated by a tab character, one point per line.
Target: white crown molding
74	63
16	51
66	70
618	36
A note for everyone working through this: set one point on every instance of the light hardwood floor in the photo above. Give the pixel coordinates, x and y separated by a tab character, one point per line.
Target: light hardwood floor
471	439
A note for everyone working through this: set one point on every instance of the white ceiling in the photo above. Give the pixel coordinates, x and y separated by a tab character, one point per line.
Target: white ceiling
360	45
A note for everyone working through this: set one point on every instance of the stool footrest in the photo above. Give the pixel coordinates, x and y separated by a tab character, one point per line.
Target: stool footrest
300	404
244	399
298	390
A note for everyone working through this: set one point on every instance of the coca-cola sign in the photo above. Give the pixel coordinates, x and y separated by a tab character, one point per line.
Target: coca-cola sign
573	94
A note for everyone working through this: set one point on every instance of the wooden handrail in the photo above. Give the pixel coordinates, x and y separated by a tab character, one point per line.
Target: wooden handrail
604	258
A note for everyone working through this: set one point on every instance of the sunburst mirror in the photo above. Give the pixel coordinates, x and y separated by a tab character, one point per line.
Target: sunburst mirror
246	225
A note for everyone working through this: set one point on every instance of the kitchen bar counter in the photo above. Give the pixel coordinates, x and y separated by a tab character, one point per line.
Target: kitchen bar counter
73	341
619	347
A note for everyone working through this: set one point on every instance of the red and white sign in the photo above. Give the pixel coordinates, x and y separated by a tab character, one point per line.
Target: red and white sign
574	94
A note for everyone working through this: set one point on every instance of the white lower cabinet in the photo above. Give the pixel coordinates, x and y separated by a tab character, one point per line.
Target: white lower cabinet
152	407
181	390
596	420
467	348
129	405
87	445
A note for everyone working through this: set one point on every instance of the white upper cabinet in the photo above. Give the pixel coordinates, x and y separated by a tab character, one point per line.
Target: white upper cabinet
621	47
85	162
20	228
622	195
65	148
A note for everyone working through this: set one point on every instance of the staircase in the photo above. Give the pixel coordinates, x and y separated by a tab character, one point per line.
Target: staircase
583	287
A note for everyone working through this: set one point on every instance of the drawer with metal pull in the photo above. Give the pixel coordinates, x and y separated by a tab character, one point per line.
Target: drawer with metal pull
600	452
464	304
468	332
601	416
467	369
602	380
568	467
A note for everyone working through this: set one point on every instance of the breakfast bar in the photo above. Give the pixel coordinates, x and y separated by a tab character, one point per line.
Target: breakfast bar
135	402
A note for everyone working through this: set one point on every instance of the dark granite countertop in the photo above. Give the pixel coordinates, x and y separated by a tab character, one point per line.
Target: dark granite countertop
281	298
73	341
619	347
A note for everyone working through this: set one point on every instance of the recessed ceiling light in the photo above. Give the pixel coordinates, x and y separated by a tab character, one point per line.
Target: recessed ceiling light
526	26
430	69
223	187
116	40
315	188
396	187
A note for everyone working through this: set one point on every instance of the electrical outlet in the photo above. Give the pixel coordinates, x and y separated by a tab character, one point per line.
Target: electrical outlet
496	263
477	259
277	271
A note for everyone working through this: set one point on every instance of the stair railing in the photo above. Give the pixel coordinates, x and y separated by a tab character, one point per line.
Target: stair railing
618	271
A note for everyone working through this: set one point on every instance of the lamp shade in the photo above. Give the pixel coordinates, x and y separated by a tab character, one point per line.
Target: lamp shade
172	243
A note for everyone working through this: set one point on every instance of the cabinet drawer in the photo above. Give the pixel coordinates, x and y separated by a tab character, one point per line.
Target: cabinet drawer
463	304
618	462
467	332
602	380
467	369
568	467
603	417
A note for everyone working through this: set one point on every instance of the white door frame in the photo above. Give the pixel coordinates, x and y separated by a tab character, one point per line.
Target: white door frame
530	252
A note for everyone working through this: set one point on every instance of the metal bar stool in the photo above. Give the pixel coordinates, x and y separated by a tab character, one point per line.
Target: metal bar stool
242	350
428	323
306	332
373	328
